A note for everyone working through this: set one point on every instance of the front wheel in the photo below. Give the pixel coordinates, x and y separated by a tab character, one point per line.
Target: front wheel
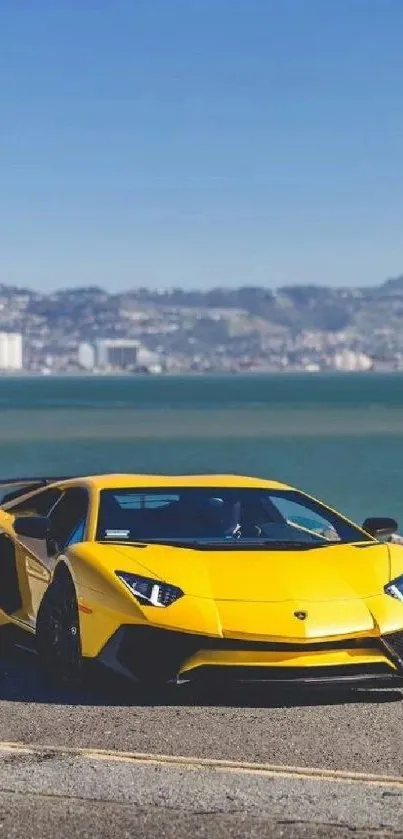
58	632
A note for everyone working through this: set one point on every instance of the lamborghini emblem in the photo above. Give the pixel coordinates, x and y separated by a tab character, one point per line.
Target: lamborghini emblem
301	615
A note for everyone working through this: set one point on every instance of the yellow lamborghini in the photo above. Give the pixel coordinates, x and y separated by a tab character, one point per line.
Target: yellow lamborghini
203	577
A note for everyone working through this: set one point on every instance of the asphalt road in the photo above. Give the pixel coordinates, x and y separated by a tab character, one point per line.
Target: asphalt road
60	789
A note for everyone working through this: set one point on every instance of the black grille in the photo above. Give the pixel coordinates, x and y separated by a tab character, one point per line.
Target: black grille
394	642
308	646
144	650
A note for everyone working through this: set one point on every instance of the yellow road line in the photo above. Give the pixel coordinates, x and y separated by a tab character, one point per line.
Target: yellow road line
268	769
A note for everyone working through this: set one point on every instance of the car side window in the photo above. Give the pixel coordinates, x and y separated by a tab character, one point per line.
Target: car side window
77	535
68	516
39	504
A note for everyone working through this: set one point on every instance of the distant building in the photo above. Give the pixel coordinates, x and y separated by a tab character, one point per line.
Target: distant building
352	361
11	351
149	361
86	356
116	353
108	354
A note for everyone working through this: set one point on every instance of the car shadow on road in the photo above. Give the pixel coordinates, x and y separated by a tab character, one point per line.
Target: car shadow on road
22	681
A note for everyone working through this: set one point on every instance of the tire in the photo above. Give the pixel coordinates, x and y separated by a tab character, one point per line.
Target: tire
58	632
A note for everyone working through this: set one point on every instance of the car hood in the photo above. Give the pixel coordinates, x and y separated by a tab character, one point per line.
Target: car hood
336	572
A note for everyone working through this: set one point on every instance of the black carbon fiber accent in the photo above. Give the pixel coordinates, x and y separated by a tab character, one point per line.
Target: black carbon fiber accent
394	643
349	672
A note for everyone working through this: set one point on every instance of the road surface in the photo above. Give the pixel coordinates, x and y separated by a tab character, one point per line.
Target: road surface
106	762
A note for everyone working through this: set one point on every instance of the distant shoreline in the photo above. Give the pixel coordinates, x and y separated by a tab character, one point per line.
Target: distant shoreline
194	374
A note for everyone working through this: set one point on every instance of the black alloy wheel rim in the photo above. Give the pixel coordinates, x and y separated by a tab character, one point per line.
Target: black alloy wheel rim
60	640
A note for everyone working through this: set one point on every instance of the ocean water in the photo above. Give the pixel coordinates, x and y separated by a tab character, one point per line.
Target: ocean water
340	437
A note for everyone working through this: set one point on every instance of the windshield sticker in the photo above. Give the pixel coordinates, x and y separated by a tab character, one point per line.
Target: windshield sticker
117	534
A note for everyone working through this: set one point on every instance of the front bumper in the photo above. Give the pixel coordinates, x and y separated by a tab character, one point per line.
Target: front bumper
147	654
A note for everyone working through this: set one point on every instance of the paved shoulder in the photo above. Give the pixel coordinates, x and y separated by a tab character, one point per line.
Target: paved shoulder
146	792
67	765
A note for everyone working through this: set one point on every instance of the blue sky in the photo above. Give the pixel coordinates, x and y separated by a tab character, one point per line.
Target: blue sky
200	142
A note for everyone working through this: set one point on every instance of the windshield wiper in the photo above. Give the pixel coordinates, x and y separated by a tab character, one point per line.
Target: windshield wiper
258	544
238	544
222	544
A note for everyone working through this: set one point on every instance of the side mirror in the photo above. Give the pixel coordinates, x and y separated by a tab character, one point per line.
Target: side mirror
380	528
33	527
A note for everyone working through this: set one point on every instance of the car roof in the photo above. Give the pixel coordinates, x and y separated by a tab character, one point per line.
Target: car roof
122	481
133	480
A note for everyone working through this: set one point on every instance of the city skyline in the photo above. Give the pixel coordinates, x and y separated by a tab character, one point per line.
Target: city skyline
217	330
223	143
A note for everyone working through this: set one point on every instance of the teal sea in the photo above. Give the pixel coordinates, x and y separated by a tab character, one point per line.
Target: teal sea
339	437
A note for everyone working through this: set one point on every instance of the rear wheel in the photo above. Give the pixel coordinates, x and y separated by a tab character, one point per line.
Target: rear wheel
58	631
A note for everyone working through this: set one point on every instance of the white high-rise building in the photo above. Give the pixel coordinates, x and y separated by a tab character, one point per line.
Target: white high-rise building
11	351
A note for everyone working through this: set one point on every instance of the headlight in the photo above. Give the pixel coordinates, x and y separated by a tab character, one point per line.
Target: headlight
395	588
150	592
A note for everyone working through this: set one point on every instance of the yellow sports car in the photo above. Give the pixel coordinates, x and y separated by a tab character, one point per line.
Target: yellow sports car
203	577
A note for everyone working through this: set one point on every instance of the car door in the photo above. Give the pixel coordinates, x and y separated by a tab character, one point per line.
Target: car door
67	523
15	595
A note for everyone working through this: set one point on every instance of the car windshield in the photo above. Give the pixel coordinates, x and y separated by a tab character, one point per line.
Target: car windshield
220	515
